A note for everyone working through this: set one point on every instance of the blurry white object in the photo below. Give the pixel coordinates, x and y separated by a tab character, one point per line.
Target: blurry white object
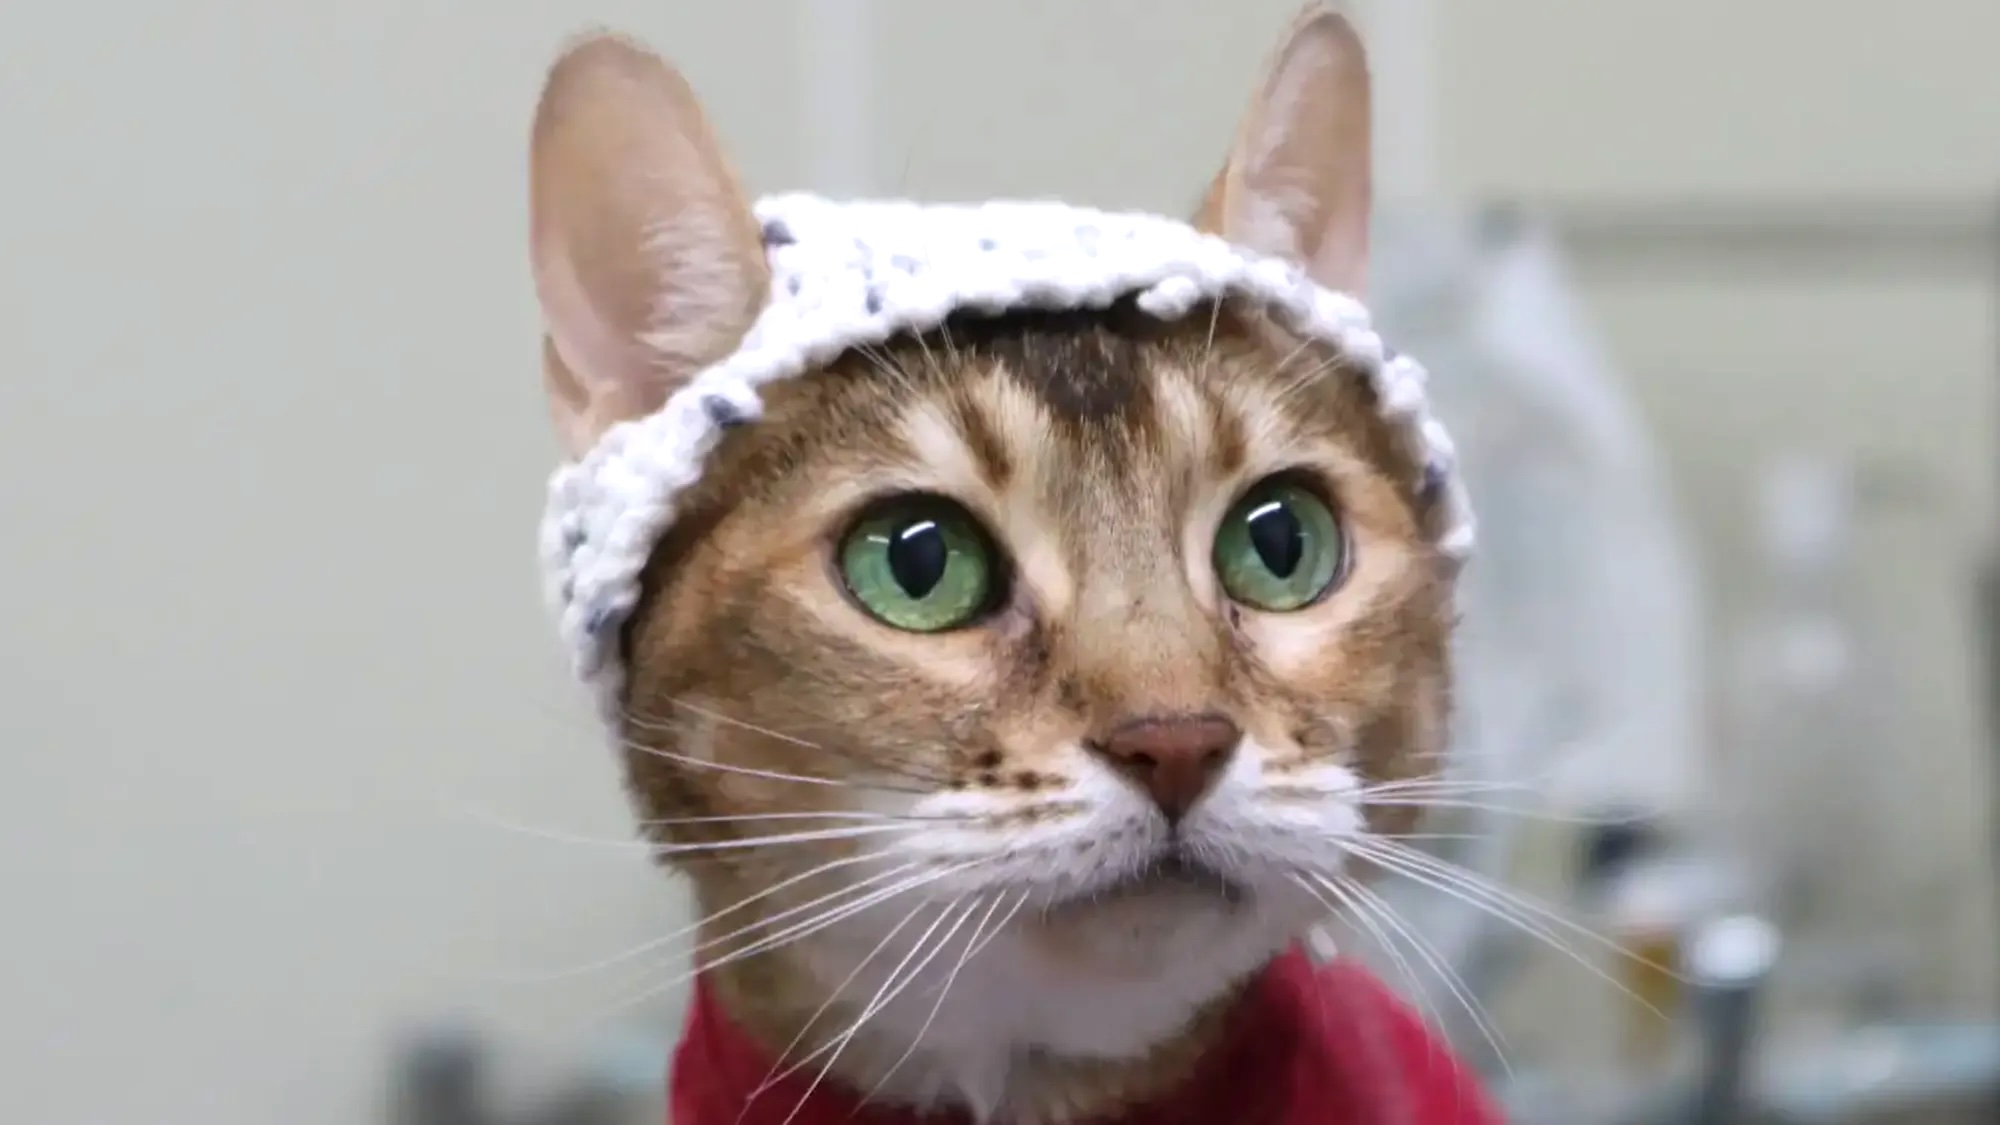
1799	716
1579	661
1814	784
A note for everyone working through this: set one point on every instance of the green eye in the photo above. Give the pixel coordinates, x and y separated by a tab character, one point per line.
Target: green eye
1280	548
920	563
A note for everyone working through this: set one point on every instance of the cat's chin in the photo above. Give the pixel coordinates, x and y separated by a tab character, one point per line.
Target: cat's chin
1172	879
1141	927
1097	989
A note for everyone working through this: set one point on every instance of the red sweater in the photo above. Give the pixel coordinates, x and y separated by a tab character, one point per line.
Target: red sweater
1328	1045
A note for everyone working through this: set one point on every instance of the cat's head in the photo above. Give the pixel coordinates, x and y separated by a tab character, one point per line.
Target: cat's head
1076	636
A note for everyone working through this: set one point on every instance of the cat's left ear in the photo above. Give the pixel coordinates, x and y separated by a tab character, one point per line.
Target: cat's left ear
1297	183
647	256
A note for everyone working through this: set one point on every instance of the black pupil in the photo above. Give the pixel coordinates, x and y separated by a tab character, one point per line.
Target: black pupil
1278	537
917	557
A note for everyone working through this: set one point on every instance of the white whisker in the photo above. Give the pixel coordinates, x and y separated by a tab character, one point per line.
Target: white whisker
1001	928
752	771
892	986
830	814
1509	907
1444	971
653	847
798	931
1345	906
1423	802
785	838
972	946
772	1075
1445	786
900	769
1362	917
862	887
654	943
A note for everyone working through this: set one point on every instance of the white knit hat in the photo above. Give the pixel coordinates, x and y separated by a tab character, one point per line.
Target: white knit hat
850	274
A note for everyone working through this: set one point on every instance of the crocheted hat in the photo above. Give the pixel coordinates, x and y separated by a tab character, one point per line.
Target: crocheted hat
846	274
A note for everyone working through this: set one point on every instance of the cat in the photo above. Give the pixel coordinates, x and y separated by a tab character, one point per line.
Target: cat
1012	691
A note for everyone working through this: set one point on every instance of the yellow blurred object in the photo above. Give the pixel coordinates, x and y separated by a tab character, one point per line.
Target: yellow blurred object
1650	971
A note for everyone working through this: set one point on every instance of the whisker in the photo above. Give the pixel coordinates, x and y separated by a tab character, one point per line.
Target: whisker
881	362
1508	907
1311	376
823	834
901	769
1445	785
1291	357
1002	926
1208	344
771	1076
972	946
663	725
1474	883
1445	973
1346	907
736	818
1482	806
765	773
801	930
654	943
660	725
493	819
892	986
655	848
794	933
1355	912
860	886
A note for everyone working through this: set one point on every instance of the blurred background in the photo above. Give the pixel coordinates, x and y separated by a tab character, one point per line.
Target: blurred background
304	822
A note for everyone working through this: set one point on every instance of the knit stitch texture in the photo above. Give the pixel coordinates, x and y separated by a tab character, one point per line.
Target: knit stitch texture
847	274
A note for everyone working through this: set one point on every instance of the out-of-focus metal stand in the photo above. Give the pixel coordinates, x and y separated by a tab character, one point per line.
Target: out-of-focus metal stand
443	1076
1882	1071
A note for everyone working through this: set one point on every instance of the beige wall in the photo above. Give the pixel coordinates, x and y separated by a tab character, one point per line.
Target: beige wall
272	447
272	451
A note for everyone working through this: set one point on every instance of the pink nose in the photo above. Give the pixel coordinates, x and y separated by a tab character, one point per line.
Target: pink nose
1175	759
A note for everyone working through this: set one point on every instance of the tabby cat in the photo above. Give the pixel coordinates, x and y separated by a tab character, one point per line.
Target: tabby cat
1018	689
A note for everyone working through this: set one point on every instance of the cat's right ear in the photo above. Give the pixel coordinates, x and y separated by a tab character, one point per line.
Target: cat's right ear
647	257
1297	184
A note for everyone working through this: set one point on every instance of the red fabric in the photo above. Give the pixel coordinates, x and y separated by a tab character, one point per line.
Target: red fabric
1327	1045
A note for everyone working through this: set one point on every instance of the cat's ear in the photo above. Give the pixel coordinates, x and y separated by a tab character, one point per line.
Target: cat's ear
1297	182
647	257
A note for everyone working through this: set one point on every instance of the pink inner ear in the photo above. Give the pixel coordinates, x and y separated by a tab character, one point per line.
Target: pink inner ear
646	254
1298	183
1341	262
588	346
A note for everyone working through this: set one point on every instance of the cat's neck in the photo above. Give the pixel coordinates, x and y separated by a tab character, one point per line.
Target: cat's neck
1299	1044
776	1008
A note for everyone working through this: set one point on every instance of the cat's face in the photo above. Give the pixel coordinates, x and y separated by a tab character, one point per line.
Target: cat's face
1110	621
1072	641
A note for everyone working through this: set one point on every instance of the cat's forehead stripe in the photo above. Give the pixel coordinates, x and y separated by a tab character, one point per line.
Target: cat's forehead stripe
970	451
1082	378
938	445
